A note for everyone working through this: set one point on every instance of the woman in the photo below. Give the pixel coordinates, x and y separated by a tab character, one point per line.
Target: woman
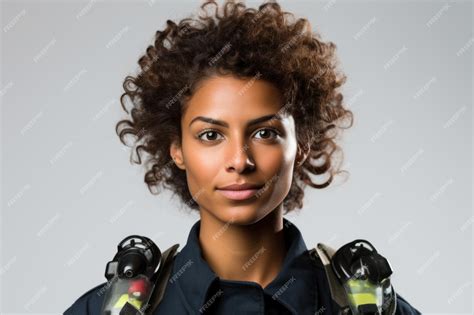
245	102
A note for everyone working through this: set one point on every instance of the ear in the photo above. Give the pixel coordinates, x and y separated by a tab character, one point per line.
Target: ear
301	154
177	154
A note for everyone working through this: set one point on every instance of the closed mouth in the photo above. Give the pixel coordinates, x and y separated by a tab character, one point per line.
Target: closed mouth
241	194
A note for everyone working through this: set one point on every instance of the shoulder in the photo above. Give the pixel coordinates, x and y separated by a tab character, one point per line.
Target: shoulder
89	303
404	308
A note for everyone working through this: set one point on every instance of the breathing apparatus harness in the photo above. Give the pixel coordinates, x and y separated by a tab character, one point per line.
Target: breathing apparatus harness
358	276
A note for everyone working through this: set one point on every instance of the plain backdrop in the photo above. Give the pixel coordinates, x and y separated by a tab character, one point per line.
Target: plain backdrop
70	193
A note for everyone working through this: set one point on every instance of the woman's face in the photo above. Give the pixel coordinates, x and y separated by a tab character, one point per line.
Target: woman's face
237	151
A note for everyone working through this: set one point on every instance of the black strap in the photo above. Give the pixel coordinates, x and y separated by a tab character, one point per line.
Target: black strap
336	308
129	309
161	278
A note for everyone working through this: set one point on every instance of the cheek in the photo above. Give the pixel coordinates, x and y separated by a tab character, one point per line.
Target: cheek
277	167
201	167
270	161
277	159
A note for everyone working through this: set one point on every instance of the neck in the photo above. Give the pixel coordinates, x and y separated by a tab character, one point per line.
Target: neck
252	252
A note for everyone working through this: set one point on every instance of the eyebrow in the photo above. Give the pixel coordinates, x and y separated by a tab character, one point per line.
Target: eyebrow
224	124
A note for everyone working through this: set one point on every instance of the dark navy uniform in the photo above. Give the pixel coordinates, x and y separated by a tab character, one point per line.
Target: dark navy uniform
300	288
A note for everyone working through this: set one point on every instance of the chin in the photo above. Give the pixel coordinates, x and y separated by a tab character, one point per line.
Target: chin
240	214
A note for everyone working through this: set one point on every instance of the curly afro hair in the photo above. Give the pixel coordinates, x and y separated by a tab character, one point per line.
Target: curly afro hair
267	43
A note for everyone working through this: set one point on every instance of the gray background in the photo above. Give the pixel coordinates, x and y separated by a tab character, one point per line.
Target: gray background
69	192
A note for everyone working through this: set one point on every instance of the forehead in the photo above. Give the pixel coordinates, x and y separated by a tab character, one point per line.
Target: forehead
233	99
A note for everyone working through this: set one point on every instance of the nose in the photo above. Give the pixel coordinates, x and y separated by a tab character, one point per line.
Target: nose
241	160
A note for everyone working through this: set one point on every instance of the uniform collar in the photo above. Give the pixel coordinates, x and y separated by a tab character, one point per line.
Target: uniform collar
295	286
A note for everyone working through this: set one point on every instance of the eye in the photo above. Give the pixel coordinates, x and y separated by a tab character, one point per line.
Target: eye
267	131
207	133
210	133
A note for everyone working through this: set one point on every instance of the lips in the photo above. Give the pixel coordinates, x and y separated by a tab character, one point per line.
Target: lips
238	194
244	186
239	191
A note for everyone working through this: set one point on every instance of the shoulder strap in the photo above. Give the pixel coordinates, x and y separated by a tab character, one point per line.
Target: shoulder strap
161	277
322	254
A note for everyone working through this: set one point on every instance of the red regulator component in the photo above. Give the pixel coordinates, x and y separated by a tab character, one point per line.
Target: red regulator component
139	288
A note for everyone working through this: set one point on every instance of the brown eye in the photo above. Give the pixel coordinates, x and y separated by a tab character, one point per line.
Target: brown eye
266	133
210	135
